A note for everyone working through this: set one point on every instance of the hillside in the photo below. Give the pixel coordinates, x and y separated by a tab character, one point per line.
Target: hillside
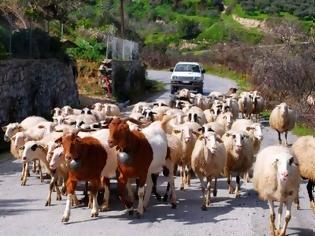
181	25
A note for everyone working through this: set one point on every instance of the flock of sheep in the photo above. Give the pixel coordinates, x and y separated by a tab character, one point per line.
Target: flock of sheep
214	135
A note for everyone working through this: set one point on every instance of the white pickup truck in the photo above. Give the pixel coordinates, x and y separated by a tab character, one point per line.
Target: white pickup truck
188	75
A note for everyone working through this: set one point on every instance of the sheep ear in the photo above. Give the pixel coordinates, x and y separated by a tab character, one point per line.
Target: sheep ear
202	129
228	134
13	137
43	147
59	140
176	131
201	137
4	128
218	139
20	128
248	128
196	133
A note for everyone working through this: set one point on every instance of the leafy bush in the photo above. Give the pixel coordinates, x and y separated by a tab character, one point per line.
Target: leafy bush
87	50
303	9
189	28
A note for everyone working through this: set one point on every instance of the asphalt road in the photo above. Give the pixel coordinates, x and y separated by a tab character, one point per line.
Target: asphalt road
22	210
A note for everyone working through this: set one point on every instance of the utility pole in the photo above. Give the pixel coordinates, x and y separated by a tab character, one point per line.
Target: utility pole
122	17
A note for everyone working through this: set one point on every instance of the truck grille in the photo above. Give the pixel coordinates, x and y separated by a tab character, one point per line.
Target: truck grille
182	78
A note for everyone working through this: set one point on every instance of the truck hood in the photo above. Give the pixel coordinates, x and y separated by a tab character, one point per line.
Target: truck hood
186	74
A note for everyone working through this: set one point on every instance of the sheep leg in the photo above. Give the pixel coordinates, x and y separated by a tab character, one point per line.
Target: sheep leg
95	184
203	190
40	172
147	192
231	189
154	180
215	190
23	170
131	195
279	215
279	137
238	186
140	204
183	178
143	198
34	169
297	202
272	217
287	218
25	175
170	184
208	191
309	188
105	205
71	185
58	192
51	186
122	181
188	175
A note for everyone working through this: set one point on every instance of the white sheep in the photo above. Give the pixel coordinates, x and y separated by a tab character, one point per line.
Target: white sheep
207	161
85	119
239	157
304	151
202	101
195	114
57	111
160	103
67	110
277	178
12	128
140	106
230	104
245	104
215	95
212	113
184	94
232	93
282	119
97	106
254	130
258	104
111	109
187	133
213	127
99	115
33	151
178	118
225	119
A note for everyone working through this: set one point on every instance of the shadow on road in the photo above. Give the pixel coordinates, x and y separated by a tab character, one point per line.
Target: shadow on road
15	206
304	232
10	166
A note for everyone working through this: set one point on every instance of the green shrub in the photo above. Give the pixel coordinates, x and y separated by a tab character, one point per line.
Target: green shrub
87	50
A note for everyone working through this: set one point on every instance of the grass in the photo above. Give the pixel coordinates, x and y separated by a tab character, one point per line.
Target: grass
223	71
265	114
301	129
228	29
255	15
154	86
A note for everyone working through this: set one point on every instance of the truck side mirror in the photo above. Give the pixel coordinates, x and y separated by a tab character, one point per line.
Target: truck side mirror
172	69
203	71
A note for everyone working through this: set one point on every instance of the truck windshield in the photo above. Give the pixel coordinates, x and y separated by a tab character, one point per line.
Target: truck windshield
187	68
